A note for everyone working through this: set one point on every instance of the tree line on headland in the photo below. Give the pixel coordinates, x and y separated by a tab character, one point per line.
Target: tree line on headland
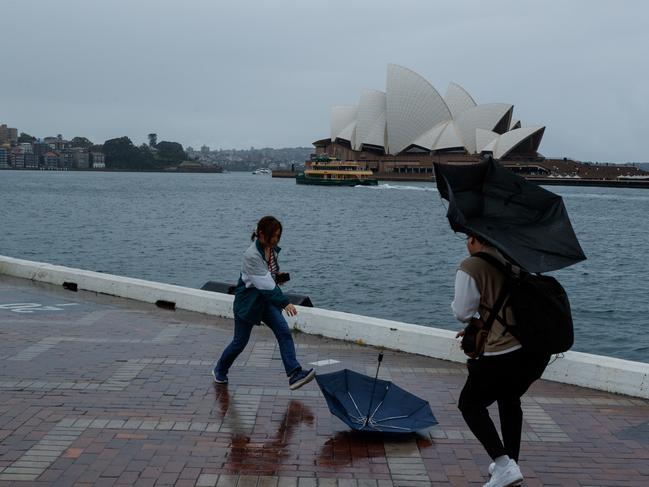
121	153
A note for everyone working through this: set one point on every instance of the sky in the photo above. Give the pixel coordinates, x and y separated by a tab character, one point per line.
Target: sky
265	73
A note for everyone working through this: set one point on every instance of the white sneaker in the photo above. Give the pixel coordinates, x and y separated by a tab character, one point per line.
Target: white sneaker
506	476
492	465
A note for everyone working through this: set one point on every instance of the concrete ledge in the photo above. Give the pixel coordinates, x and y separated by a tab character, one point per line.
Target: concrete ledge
125	287
592	371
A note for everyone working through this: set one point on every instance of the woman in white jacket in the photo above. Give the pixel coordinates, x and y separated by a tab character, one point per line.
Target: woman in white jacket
257	299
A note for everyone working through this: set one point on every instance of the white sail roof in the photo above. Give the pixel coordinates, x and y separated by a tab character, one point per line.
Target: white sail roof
449	138
413	107
485	117
491	146
483	138
348	133
458	100
371	119
428	139
378	135
341	117
411	113
507	141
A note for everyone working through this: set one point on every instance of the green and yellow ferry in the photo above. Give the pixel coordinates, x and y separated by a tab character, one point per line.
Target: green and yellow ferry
331	172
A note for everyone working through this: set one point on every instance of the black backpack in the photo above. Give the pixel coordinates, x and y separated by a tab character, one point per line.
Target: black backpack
540	306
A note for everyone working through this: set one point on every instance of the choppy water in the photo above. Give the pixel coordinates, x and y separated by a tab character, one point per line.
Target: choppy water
383	251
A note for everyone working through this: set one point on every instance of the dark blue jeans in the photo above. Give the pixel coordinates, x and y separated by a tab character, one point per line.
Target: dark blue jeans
273	318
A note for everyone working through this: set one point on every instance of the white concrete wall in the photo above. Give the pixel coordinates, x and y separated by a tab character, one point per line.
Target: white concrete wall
593	371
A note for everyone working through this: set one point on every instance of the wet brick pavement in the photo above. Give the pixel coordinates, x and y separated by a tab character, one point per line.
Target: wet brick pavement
101	391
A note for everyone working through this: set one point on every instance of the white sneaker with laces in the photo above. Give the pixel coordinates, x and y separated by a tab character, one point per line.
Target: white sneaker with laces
506	476
492	465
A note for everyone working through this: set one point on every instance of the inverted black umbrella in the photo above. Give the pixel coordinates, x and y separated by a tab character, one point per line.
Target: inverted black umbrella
527	223
370	404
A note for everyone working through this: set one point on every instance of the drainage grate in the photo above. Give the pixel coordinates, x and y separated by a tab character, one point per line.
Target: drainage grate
161	303
70	286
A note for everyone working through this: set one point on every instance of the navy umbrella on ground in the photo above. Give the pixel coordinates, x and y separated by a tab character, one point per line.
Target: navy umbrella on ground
370	404
527	223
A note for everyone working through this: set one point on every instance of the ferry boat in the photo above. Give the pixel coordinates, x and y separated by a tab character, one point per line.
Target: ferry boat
331	172
264	171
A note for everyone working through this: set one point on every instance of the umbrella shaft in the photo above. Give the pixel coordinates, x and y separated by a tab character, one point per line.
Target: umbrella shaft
373	389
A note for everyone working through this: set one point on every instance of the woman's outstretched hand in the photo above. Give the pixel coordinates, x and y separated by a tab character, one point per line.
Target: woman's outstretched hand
290	310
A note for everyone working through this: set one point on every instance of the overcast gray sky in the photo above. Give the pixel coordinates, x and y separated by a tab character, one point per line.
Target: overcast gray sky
235	74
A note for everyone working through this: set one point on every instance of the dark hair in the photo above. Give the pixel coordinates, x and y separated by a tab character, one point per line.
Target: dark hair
268	225
480	239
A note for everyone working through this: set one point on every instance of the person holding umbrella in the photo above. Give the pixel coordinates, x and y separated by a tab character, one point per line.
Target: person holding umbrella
508	220
258	298
504	371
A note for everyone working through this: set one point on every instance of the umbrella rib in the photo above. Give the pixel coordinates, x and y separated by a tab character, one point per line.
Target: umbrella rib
376	426
360	415
387	388
388	419
370	421
377	408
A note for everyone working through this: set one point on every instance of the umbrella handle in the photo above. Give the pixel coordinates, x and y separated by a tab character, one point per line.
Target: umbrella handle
378	367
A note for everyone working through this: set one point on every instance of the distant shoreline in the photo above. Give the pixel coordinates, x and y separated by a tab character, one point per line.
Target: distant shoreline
604	183
216	170
557	181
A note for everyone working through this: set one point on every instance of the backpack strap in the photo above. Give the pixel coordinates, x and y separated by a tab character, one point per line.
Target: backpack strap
493	315
506	269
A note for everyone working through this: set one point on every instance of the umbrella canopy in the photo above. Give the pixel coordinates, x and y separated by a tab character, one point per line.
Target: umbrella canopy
526	223
370	404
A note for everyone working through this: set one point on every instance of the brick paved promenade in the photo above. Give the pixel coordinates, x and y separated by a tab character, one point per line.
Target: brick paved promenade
98	390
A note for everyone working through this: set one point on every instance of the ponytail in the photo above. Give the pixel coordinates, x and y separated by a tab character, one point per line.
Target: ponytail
268	225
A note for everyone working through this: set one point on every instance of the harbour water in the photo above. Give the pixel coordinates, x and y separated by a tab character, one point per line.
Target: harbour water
384	251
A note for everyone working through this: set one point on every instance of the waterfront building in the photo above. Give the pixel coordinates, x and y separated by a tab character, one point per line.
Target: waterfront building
17	158
40	148
51	160
407	128
65	158
31	161
8	135
4	158
57	143
26	147
80	158
98	160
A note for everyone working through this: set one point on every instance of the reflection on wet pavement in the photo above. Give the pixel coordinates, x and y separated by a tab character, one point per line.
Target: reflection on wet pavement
348	447
262	454
127	398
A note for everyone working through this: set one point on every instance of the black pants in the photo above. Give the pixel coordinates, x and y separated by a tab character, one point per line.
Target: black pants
502	379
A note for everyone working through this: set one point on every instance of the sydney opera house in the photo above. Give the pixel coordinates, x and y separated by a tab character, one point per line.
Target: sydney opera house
409	126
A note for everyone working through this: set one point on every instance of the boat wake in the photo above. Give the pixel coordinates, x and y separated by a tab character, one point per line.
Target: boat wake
399	187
